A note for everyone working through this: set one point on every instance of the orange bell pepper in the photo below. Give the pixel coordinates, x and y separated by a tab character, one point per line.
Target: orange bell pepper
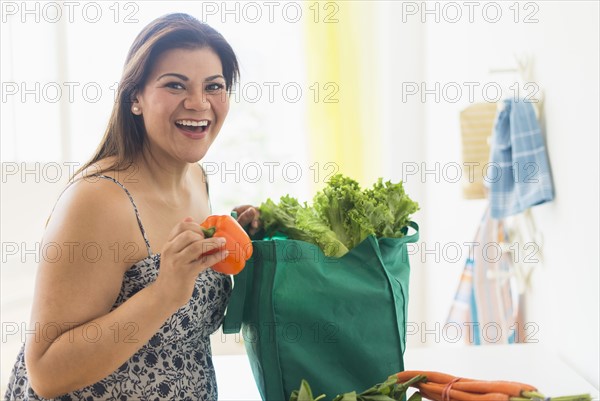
238	242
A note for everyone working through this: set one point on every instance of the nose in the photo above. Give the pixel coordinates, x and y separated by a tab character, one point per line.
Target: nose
197	100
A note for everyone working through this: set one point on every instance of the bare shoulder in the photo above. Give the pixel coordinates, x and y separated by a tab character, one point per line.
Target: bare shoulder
80	275
94	211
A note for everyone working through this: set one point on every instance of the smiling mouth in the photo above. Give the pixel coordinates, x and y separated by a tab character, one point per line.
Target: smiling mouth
193	125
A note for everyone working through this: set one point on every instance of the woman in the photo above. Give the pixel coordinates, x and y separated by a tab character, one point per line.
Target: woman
112	319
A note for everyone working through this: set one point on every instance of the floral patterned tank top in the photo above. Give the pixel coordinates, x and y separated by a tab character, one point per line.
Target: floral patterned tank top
176	364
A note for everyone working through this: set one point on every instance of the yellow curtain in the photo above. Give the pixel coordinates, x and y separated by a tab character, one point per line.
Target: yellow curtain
343	121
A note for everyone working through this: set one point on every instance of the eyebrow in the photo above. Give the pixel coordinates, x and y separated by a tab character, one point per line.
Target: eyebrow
184	78
213	77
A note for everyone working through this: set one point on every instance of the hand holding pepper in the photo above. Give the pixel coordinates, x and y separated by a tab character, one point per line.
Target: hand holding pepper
237	243
180	264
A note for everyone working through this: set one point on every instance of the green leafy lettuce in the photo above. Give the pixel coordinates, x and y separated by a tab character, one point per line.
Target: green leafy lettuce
342	215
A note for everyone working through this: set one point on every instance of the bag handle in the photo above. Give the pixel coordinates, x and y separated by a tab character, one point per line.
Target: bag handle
413	237
232	323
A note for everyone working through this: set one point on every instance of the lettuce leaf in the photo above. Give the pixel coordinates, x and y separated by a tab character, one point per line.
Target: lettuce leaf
342	214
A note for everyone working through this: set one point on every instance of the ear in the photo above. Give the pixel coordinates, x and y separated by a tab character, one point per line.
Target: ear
133	95
135	107
135	103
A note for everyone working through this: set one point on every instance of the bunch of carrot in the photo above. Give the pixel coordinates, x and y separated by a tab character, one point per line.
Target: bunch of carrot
444	387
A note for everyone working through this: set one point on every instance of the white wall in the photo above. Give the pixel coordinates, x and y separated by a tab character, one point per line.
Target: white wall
563	298
402	124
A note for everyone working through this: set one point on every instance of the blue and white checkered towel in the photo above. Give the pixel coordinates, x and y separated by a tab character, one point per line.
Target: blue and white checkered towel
519	174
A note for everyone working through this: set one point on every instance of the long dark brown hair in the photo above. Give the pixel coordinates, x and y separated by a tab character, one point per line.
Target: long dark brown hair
125	134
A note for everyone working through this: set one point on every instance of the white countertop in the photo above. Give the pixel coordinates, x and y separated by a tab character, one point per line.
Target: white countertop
527	363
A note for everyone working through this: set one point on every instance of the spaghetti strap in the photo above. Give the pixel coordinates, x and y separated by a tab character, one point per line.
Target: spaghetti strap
137	215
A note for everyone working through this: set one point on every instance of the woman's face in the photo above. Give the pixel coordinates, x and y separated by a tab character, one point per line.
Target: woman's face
184	103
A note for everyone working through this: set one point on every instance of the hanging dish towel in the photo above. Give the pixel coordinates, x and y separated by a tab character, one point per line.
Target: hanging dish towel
519	173
486	306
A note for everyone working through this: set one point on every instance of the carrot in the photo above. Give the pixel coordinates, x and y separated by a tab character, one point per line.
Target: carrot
456	395
513	389
465	384
431	396
436	377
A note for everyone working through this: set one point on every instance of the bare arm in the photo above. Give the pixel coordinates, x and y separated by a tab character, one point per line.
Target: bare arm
78	340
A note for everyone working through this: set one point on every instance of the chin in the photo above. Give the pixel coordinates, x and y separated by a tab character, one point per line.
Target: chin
194	158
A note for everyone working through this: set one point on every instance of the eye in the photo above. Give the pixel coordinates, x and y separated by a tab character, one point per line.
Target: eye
175	85
214	87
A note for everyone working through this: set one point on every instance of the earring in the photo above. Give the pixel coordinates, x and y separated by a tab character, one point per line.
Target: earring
135	110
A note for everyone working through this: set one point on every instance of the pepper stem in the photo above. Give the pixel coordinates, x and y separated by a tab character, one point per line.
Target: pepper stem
208	232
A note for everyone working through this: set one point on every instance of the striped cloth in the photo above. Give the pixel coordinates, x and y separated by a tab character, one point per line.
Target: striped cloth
486	304
495	295
463	311
519	172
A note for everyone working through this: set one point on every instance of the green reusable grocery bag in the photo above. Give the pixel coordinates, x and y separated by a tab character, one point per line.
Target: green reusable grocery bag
339	323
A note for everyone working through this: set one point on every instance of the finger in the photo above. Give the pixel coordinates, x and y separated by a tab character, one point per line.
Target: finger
255	229
183	234
249	217
188	224
244	219
256	223
183	240
207	260
241	209
204	248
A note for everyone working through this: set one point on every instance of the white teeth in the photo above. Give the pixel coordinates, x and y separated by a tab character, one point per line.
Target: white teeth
191	123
